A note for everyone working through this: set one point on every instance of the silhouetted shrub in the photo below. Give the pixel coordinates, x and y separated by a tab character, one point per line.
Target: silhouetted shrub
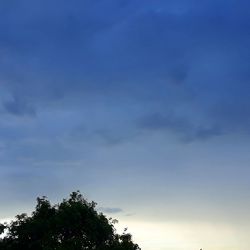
73	224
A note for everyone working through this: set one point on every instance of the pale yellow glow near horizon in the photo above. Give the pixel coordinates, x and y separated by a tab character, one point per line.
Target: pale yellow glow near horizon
187	236
184	235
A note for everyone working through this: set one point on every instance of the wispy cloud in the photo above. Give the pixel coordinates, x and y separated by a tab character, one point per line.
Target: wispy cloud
110	210
183	128
19	107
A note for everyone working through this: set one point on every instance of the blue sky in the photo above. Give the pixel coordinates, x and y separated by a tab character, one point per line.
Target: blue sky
142	105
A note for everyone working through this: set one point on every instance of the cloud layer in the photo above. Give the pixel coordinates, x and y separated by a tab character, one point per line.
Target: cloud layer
99	94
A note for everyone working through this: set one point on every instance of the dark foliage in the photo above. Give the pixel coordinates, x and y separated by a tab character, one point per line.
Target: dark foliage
74	224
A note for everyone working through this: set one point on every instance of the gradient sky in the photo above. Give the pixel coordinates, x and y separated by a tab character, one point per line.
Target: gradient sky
144	106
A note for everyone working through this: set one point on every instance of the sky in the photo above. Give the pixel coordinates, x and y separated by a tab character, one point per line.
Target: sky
143	106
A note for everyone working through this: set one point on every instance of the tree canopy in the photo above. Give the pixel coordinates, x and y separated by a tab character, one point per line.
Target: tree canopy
73	224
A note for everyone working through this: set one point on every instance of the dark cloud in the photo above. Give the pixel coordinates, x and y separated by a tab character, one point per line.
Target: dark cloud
171	55
110	50
19	107
183	128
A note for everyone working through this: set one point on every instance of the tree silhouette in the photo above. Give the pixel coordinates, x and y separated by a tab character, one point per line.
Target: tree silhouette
73	224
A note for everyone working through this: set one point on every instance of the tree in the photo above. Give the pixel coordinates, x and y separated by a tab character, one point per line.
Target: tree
73	224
